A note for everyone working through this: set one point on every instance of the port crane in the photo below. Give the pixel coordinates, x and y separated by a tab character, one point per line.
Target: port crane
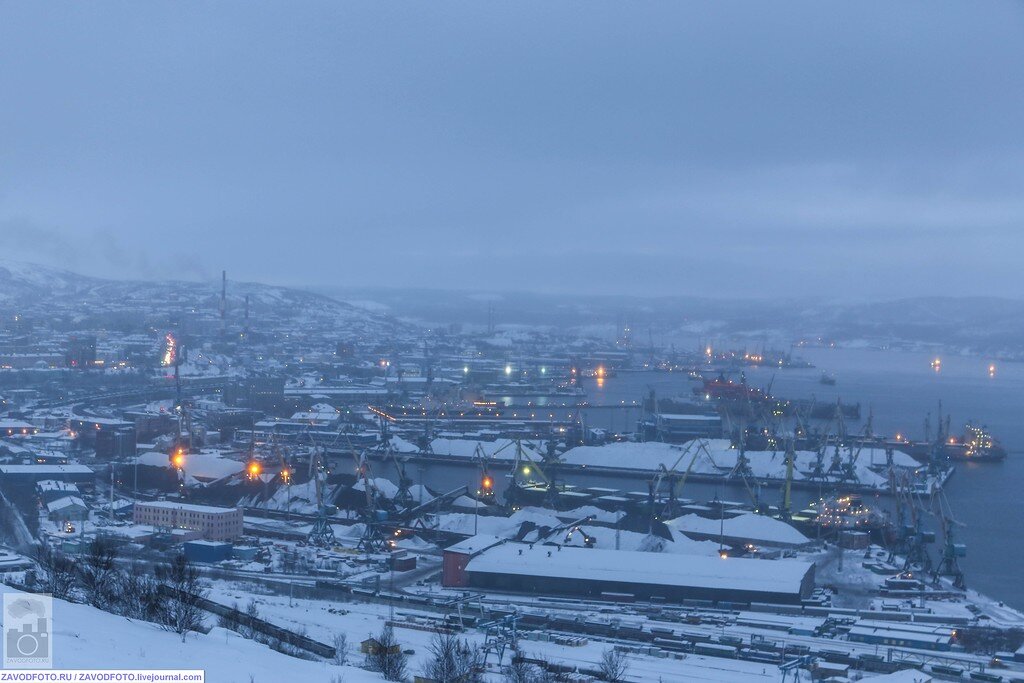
373	539
949	564
512	493
403	497
911	538
322	533
486	491
674	481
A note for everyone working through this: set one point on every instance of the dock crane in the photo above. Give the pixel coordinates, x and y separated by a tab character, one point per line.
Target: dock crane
403	497
911	538
674	481
949	564
373	539
513	494
322	533
787	491
486	492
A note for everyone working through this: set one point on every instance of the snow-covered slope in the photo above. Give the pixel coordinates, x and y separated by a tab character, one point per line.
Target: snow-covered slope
25	286
87	638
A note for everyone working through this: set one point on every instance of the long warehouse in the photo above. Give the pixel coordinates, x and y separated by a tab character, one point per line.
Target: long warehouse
672	577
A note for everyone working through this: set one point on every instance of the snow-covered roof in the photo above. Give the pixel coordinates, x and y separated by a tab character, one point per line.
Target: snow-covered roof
45	469
201	465
660	569
51	485
66	502
475	544
174	505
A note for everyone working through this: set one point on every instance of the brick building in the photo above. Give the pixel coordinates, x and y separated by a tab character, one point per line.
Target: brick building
214	523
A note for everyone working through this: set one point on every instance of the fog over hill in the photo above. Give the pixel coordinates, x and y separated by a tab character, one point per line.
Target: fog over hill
980	324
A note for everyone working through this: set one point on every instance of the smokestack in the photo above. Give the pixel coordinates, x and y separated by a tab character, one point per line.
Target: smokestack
223	302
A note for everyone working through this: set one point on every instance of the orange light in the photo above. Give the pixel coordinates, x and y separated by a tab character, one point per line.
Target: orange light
179	459
254	469
488	483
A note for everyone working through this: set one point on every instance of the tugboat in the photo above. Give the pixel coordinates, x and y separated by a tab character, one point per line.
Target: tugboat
827	379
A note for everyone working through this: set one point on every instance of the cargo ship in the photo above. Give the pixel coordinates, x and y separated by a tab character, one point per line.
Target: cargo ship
976	444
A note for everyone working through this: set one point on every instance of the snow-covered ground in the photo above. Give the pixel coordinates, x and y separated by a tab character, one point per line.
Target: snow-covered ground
87	638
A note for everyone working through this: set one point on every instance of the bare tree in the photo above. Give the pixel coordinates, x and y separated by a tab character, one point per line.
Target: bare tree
387	658
453	660
613	665
521	671
184	592
99	575
341	649
59	570
139	594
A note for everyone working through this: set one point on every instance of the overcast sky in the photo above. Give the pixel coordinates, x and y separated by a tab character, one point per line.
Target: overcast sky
868	149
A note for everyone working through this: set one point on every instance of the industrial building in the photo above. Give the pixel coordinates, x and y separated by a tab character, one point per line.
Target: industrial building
536	568
207	551
456	557
110	438
28	476
898	634
213	523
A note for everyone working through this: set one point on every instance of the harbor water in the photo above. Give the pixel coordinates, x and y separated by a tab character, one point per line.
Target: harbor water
900	388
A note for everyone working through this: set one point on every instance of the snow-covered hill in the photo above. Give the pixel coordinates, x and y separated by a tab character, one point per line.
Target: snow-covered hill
87	638
26	287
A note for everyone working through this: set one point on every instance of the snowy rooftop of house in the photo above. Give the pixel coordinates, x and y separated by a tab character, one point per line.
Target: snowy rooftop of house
45	469
66	501
49	485
591	564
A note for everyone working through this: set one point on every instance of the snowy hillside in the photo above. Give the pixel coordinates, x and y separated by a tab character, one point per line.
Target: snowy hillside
26	287
87	638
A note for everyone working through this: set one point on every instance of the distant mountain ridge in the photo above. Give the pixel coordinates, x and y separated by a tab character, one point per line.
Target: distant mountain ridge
28	287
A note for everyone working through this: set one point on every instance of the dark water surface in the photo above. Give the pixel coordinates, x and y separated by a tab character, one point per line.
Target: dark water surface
901	388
